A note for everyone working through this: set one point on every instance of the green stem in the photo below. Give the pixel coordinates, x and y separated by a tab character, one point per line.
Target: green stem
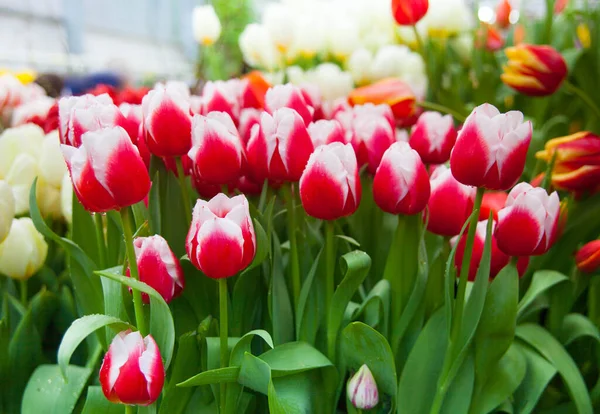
93	360
547	181
441	108
184	189
294	263
548	22
594	300
330	284
133	269
100	241
23	284
223	332
584	97
130	409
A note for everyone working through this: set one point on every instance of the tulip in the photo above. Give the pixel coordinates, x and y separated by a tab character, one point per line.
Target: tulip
493	201
534	70
258	47
11	92
401	184
248	118
7	209
279	147
167	121
409	12
107	171
392	91
323	132
503	10
289	96
132	96
577	162
450	203
133	119
587	258
204	189
51	122
221	96
433	137
527	225
206	25
34	112
221	240
491	148
330	187
488	37
278	19
216	152
158	267
254	89
80	114
132	371
23	252
560	5
371	137
361	389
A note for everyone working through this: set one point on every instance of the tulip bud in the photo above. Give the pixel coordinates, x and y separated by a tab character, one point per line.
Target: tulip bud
534	70
254	89
587	258
23	252
80	114
371	137
167	121
133	119
248	118
401	184
216	152
330	187
491	148
489	38
527	225
51	122
493	201
132	371
289	96
221	96
392	91
577	162
503	11
206	25
362	389
409	12
7	209
34	112
51	165
433	137
450	203
323	132
279	147
221	240
107	171
158	267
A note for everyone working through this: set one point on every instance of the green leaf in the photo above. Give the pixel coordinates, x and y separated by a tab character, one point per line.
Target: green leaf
254	373
538	374
552	350
245	302
262	246
542	281
214	376
307	314
294	357
80	329
96	402
83	230
376	307
162	327
280	308
576	326
458	397
49	392
349	240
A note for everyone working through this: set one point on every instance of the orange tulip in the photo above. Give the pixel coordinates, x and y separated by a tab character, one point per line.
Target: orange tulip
391	91
489	37
519	34
257	88
409	12
503	13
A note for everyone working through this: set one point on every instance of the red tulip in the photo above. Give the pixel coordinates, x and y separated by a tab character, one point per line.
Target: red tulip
205	189
221	240
279	147
254	89
107	171
158	267
132	96
450	203
132	371
51	122
503	10
289	96
221	96
559	6
528	223
330	187
488	37
587	258
401	184
433	137
409	12
248	118
102	89
167	120
491	148
392	91
493	201
323	132
133	119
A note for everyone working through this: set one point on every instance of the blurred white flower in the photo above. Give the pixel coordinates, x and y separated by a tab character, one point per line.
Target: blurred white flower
29	111
310	37
343	36
359	66
24	251
279	20
331	81
51	170
206	25
66	198
258	48
7	209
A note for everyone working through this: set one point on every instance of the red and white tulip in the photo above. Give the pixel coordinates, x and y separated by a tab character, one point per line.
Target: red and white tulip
433	137
221	96
323	132
289	96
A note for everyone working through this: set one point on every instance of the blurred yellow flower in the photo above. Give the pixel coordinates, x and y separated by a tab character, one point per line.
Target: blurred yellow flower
583	35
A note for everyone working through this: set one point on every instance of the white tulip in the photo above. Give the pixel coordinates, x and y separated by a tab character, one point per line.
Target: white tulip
48	199
7	209
52	166
279	22
331	81
206	25
23	171
343	37
359	66
447	17
24	251
310	37
66	198
25	139
258	47
389	61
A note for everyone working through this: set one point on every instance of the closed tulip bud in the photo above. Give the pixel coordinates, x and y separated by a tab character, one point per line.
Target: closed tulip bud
528	223
206	25
107	171
371	137
409	12
534	70
51	165
80	114
503	11
217	153
433	137
401	184
133	119
279	147
577	163
330	187
7	209
323	132
248	118
450	203
132	371
289	96
493	201
587	258
158	267
221	241
167	121
491	148
488	37
23	252
361	389
221	96
254	89
51	122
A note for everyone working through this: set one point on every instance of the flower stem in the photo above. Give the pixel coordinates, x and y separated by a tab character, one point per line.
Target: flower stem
184	190
23	284
133	269
441	108
100	241
584	97
330	284
130	409
294	264
223	332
